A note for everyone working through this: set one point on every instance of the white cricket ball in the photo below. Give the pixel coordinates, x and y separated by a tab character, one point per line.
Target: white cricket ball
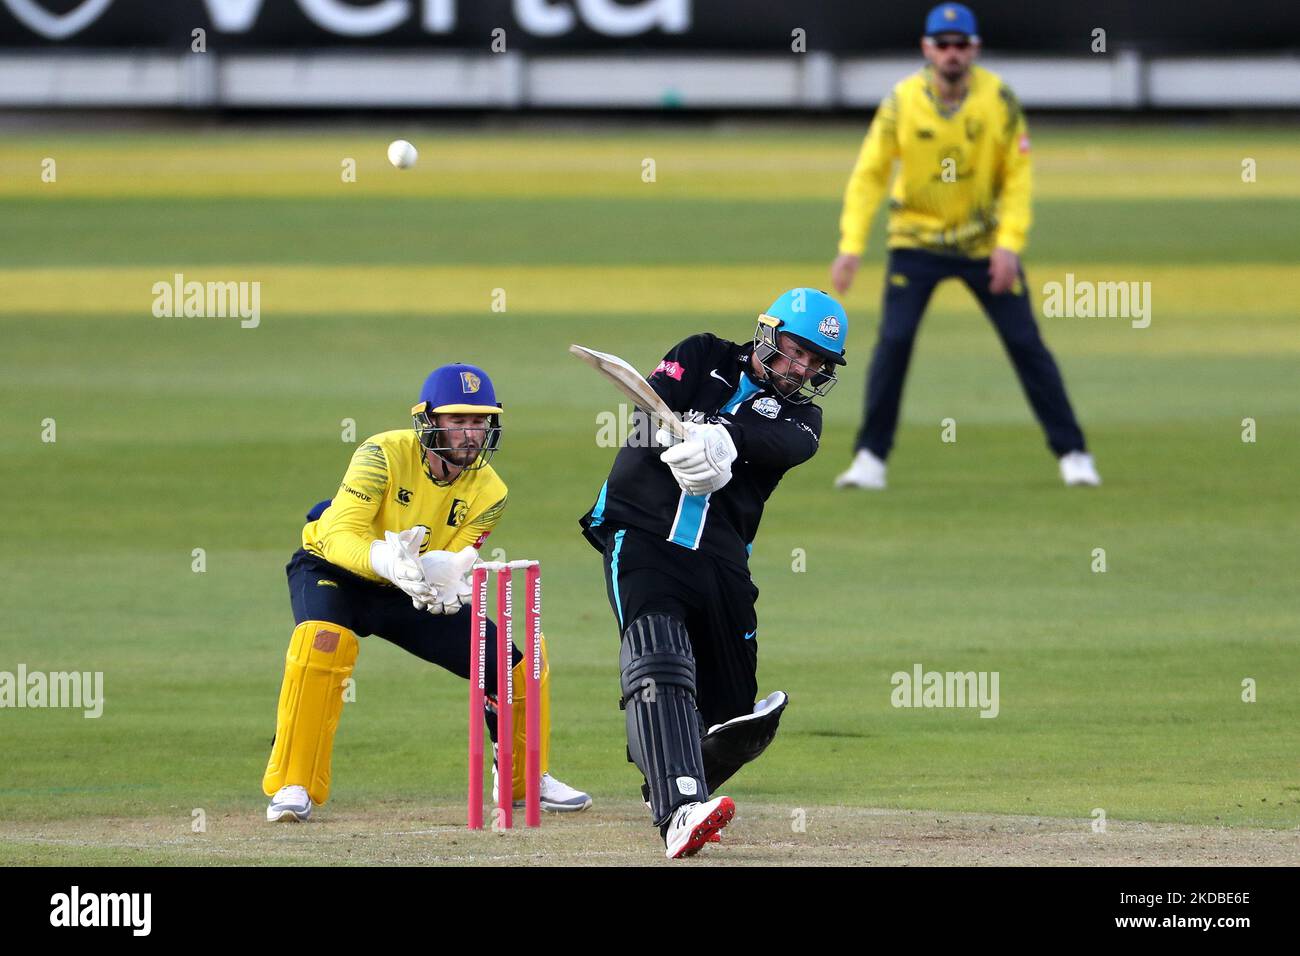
402	154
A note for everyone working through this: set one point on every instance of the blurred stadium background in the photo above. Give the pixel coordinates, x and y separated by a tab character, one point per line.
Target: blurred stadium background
213	138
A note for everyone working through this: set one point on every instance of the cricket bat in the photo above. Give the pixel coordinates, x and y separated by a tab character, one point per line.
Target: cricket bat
629	381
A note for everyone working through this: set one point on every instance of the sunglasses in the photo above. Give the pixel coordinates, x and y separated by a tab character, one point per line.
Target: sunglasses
945	44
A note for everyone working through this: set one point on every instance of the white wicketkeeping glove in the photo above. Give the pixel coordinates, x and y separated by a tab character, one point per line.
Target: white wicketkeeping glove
397	559
702	463
451	600
447	574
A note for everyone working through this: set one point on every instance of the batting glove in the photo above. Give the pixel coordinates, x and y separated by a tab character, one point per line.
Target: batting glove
702	464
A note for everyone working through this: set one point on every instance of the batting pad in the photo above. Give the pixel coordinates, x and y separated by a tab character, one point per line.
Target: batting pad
321	657
663	725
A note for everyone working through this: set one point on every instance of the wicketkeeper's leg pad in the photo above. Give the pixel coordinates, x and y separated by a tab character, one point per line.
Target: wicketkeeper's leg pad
321	657
663	724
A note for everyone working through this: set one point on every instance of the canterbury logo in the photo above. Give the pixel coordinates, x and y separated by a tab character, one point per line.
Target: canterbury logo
403	496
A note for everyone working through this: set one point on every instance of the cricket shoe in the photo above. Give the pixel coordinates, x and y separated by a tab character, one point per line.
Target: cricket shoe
866	471
556	795
289	803
714	837
694	824
1077	469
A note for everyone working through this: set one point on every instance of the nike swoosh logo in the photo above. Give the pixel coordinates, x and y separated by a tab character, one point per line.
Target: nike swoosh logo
751	634
714	373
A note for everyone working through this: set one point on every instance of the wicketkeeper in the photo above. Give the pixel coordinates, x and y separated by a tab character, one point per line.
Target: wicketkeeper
959	209
391	555
676	523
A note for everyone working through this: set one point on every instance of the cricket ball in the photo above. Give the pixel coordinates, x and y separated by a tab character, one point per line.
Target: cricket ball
402	154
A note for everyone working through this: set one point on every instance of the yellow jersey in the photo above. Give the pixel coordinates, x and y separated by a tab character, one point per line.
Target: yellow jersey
388	487
964	175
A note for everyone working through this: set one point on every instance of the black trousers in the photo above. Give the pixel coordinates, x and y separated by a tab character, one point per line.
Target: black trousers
320	591
644	574
910	279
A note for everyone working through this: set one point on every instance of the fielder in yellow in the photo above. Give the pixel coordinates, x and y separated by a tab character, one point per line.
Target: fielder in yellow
959	209
390	555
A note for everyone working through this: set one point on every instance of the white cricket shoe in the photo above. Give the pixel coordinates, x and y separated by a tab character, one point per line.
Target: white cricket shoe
1077	469
695	824
289	803
867	471
559	797
556	796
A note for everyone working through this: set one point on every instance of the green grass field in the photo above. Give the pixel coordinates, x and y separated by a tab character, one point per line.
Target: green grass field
1120	691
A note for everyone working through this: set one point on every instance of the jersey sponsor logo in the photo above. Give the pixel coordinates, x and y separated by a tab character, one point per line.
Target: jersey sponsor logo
830	327
805	427
403	496
767	407
469	383
352	491
457	513
673	370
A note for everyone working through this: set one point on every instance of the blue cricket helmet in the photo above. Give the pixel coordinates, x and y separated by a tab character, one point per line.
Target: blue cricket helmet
814	320
457	390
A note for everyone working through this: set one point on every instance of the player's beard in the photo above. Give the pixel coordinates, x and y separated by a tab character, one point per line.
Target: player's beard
954	73
785	385
464	456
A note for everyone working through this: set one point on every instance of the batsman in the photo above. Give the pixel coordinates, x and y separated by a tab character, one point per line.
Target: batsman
390	555
676	522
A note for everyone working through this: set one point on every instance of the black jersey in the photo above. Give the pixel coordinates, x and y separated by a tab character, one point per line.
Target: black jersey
707	379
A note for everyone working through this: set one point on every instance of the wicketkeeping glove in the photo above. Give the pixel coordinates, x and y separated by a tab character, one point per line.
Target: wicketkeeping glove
702	464
396	558
447	574
452	599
